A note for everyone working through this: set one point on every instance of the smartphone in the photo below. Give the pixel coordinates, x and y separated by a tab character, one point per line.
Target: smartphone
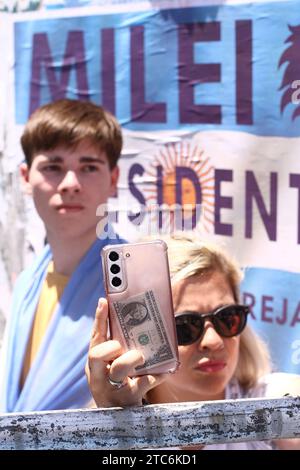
141	315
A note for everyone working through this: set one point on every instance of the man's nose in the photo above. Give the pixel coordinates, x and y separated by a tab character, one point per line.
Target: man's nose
70	182
210	338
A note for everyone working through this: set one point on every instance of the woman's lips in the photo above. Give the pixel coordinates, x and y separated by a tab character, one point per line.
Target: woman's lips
211	366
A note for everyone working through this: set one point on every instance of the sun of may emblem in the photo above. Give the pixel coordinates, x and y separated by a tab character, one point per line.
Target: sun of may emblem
183	186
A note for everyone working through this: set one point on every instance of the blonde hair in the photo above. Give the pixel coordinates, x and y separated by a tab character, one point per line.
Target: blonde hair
188	256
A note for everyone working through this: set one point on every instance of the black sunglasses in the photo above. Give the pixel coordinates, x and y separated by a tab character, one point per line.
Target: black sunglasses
228	321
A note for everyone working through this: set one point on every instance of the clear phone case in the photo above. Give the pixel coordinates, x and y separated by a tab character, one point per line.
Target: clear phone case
139	294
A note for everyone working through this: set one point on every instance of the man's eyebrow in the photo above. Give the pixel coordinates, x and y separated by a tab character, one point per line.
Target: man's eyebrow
90	159
83	159
54	159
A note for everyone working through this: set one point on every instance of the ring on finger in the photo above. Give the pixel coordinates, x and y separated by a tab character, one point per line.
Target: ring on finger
116	384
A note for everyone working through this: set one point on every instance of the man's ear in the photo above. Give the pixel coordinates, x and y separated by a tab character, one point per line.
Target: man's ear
24	173
114	174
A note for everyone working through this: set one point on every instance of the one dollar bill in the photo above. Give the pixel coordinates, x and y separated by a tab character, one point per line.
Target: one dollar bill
144	329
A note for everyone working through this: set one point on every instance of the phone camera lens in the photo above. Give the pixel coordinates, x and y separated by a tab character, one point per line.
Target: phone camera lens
113	256
115	269
116	281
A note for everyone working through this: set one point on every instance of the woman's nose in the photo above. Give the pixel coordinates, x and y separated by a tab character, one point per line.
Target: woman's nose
70	183
210	338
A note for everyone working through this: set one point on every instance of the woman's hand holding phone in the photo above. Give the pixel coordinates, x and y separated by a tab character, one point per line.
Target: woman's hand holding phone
141	315
109	368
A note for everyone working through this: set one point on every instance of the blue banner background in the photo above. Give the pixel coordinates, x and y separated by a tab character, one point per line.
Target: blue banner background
162	68
275	297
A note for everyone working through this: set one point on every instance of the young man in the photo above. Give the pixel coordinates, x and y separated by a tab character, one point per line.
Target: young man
71	149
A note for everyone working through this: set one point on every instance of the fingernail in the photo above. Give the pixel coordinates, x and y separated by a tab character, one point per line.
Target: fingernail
100	302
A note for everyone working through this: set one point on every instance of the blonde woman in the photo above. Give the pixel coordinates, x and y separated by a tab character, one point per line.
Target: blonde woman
220	356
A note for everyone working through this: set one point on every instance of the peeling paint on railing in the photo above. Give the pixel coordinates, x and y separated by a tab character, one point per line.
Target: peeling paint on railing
153	426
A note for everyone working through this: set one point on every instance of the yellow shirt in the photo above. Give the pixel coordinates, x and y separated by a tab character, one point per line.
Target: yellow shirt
51	293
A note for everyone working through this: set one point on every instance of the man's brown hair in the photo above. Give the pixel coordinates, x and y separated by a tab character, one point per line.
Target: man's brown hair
65	123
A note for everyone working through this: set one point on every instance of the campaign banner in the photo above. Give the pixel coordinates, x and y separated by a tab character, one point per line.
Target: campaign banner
219	69
275	313
208	97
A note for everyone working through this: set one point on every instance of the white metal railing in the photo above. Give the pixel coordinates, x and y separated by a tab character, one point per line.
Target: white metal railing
153	426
